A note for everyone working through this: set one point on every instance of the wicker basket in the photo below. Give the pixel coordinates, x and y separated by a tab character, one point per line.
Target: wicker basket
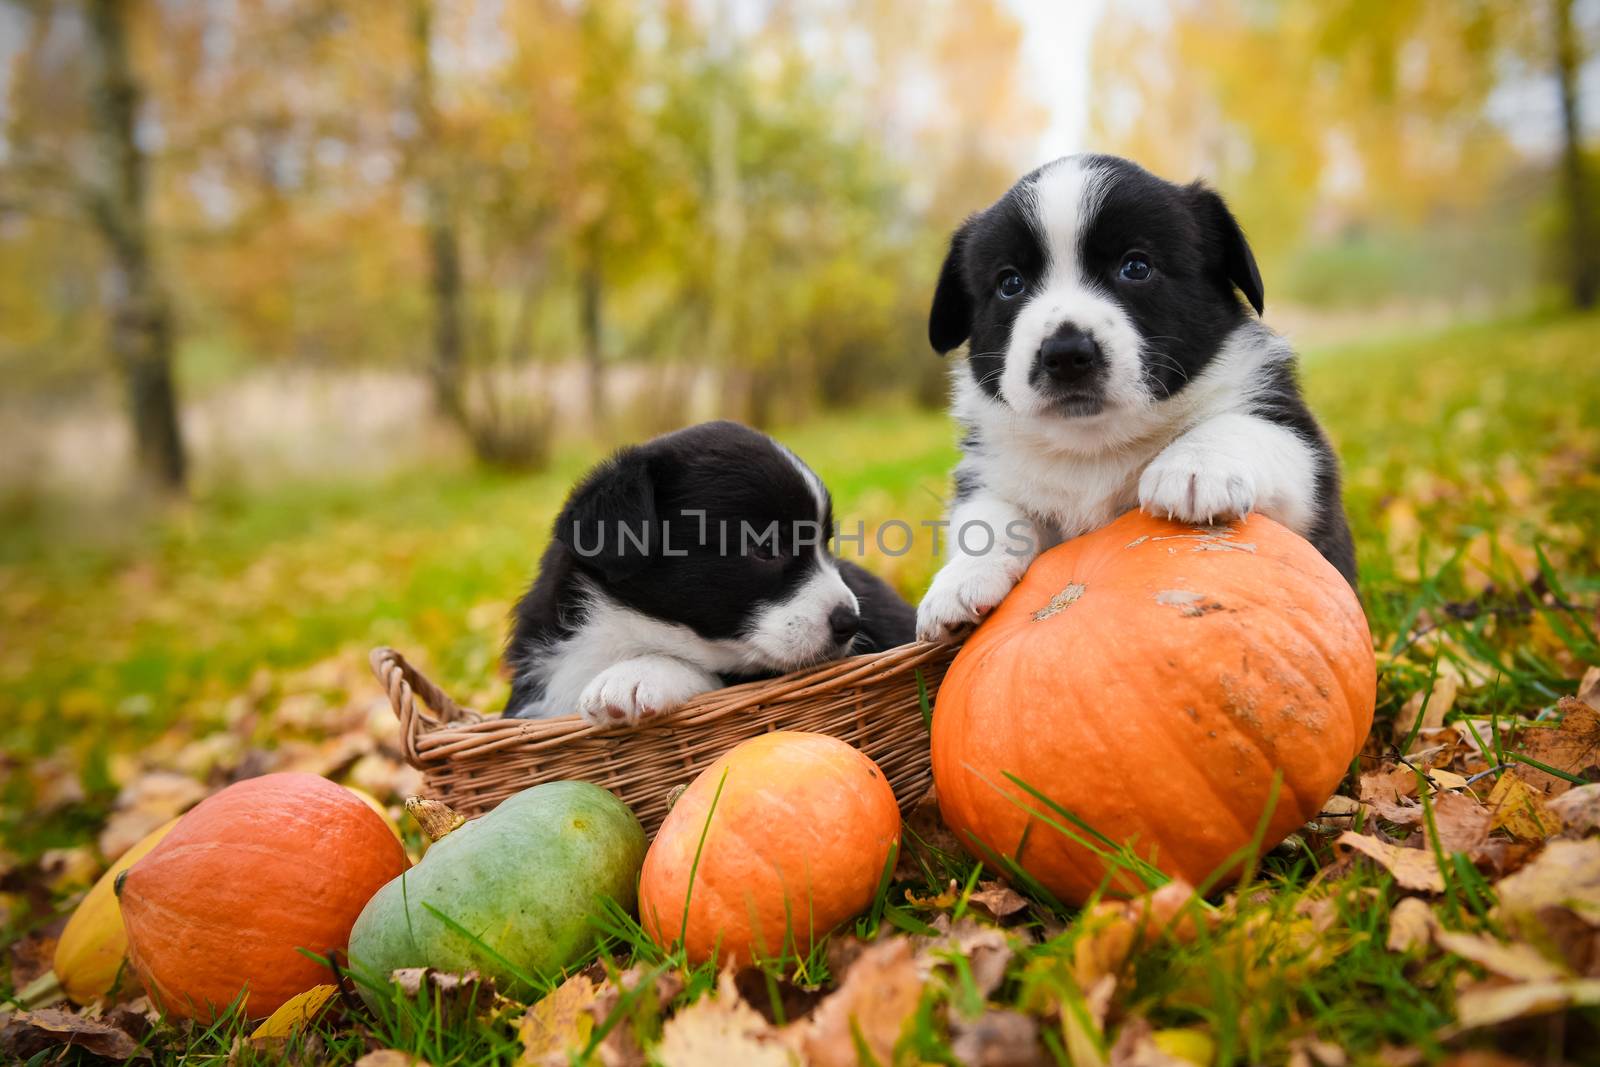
472	763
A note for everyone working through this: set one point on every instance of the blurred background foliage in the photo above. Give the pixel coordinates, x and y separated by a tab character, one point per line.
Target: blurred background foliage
264	238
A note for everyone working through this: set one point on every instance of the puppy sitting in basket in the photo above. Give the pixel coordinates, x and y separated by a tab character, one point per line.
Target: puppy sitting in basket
693	561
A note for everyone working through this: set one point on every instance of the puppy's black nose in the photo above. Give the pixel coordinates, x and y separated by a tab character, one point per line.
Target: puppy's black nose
844	622
1069	355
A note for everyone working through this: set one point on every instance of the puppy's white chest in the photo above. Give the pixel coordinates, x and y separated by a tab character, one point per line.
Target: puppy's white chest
1065	494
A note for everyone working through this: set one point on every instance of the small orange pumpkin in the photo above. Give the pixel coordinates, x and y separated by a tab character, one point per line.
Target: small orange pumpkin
255	873
1151	678
795	845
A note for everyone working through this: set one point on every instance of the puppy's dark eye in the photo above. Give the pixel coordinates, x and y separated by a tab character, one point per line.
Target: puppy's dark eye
764	552
1135	267
1010	286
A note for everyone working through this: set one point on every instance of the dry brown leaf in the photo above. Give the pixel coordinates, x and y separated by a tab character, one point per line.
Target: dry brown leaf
147	802
1306	1051
34	954
998	1039
29	1033
1439	701
1589	688
878	997
1462	823
1520	810
1490	1005
1413	868
1338	813
1565	875
1578	808
985	948
621	1048
459	996
1517	960
1573	747
998	901
1390	785
1411	925
721	1030
558	1022
391	1057
1400	812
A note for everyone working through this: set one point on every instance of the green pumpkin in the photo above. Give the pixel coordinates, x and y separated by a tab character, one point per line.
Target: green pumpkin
523	879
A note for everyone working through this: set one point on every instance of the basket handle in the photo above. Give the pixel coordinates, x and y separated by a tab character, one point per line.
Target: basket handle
404	684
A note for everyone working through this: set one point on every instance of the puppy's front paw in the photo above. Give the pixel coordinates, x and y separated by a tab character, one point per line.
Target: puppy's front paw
1191	485
638	689
966	590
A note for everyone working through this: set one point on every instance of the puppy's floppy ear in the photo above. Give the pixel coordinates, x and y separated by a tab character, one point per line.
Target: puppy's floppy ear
1238	262
950	321
610	521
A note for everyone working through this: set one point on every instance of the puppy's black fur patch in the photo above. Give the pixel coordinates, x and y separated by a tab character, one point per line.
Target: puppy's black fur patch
703	528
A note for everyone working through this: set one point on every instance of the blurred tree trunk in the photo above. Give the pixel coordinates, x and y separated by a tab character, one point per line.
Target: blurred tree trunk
447	369
591	324
140	312
1585	272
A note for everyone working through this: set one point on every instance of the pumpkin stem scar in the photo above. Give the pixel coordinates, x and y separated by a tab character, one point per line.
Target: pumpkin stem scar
1061	601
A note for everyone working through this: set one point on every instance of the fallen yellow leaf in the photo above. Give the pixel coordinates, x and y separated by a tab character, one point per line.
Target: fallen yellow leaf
1194	1046
1520	811
558	1022
294	1014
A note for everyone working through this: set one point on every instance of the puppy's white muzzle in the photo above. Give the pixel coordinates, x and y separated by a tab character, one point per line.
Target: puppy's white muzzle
801	630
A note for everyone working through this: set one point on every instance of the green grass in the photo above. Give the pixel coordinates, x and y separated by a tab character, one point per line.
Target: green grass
1473	485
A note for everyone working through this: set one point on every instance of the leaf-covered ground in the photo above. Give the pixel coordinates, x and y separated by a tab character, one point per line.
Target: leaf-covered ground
1445	904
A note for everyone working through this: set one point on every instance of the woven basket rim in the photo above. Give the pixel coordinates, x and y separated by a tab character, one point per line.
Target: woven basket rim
428	714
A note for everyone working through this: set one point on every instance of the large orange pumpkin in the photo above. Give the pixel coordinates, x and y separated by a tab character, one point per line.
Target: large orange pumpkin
1151	679
255	873
795	845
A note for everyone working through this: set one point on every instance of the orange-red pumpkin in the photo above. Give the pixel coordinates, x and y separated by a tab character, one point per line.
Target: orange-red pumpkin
253	874
1152	678
794	846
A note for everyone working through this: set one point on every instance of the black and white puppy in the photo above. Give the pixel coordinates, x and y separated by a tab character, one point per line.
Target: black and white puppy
684	564
1111	364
